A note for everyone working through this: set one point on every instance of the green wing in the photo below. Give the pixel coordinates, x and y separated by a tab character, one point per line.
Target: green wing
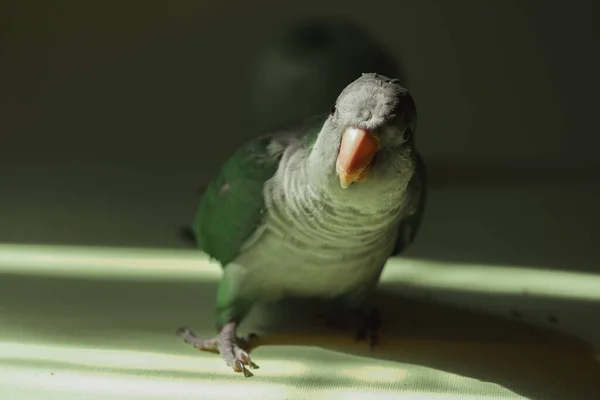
232	205
410	225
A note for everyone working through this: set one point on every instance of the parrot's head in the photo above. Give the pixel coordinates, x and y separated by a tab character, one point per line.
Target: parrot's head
367	141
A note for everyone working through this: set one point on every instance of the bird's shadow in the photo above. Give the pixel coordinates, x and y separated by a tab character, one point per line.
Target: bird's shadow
531	361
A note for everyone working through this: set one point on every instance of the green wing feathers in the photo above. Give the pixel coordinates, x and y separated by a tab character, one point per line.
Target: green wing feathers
232	206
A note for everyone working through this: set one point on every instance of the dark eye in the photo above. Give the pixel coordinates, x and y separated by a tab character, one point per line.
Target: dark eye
333	109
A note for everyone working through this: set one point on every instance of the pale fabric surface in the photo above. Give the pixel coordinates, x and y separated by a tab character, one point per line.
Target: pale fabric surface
94	324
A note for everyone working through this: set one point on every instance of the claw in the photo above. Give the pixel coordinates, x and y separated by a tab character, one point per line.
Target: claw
245	358
238	366
242	355
184	333
232	349
187	335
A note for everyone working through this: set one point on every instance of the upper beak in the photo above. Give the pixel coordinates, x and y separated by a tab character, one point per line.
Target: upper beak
357	149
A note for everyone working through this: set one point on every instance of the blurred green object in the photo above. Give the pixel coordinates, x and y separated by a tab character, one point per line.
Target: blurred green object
303	69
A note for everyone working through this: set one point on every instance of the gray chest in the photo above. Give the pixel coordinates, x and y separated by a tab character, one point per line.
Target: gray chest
319	254
313	242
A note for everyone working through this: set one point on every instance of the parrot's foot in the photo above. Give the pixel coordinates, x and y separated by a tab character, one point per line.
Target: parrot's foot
233	350
366	321
369	323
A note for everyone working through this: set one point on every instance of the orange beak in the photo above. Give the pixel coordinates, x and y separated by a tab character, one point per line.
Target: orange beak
357	150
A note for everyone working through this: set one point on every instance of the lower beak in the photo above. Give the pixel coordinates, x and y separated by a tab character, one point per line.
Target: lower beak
357	149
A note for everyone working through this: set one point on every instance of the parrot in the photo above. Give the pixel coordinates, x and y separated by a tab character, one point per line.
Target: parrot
313	211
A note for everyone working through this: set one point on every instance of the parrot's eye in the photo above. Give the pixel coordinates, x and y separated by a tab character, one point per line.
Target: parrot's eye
333	109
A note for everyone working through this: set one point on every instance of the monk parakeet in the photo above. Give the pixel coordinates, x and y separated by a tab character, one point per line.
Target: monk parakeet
314	211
